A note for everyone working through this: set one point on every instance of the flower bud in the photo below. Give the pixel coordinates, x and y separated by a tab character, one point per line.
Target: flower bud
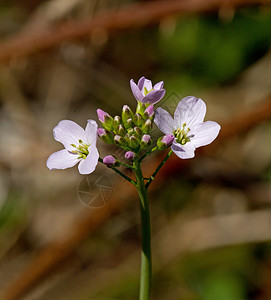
105	119
138	119
119	140
116	121
110	161
128	123
120	130
130	131
149	112
130	155
147	126
145	141
101	114
137	131
133	142
126	113
165	141
105	135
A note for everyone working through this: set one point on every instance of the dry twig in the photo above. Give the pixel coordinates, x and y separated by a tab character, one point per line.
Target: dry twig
132	16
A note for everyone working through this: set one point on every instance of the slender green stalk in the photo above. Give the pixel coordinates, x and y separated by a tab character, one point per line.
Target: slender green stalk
158	169
123	175
120	173
145	273
126	165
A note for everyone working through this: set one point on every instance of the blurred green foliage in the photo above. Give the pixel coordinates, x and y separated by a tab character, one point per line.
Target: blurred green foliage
212	50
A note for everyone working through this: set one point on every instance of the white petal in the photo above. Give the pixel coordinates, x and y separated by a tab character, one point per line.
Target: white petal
62	159
204	133
91	132
190	110
68	132
159	85
164	121
183	151
88	165
147	85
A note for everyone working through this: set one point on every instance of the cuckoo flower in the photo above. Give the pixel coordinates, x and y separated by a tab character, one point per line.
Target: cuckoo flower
145	93
188	128
80	147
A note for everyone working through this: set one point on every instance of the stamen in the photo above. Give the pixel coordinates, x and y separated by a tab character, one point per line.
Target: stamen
181	134
81	150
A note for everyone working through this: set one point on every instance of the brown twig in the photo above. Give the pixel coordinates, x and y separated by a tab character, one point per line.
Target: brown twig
131	16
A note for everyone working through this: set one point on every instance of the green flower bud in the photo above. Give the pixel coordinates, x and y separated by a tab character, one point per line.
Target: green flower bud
119	140
120	130
130	131
127	137
147	126
128	123
126	113
116	122
137	131
105	135
133	142
138	119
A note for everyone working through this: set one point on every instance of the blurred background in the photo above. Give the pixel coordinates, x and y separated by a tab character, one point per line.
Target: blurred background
73	237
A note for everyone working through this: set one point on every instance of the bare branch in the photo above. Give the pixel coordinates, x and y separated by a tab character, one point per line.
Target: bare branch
131	16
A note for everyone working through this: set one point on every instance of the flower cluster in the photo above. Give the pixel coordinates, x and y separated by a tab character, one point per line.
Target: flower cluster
132	131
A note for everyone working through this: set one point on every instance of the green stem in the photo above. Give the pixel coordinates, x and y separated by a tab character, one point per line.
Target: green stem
123	175
126	165
145	273
158	169
120	173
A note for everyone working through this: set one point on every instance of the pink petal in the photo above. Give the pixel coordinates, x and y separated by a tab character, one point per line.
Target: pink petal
68	132
140	83
159	85
135	90
88	165
91	132
154	96
62	159
204	133
190	110
164	121
183	151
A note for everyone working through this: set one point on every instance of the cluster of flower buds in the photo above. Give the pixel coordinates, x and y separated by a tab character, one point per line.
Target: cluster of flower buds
130	130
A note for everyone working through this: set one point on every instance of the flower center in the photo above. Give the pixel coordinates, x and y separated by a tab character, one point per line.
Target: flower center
146	91
81	150
181	134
